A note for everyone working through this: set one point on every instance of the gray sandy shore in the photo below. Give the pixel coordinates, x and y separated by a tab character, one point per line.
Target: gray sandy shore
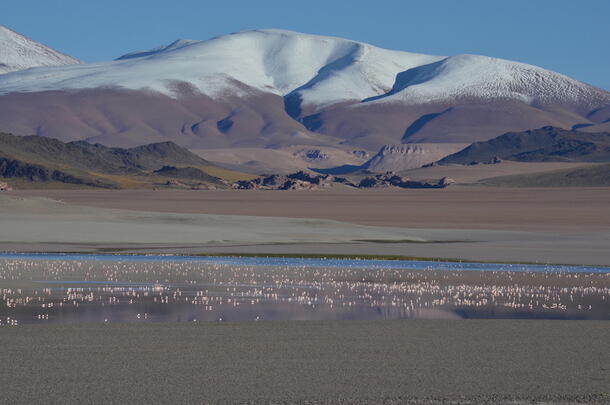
36	224
308	362
486	208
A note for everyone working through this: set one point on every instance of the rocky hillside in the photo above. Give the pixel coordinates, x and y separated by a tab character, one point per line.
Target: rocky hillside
396	158
539	145
44	161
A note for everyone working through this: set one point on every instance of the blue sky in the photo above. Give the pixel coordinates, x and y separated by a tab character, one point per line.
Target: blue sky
570	37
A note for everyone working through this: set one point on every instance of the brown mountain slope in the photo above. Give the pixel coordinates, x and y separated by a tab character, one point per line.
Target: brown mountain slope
129	118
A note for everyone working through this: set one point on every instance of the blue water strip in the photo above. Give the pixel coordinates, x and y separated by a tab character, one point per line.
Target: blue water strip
312	262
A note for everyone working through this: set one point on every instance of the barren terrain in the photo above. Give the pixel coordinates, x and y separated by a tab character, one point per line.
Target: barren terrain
570	226
390	362
567	209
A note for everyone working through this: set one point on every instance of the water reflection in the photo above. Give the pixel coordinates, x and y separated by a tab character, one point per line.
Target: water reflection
71	291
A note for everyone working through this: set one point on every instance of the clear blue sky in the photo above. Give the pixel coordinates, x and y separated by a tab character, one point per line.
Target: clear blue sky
571	37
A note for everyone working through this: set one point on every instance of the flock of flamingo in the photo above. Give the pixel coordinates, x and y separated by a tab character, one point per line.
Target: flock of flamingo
67	291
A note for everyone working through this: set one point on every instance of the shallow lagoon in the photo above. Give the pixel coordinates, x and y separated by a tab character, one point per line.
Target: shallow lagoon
315	262
58	288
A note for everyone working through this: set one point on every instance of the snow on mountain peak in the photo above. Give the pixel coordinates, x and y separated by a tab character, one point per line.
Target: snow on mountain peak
314	70
18	52
180	43
322	70
483	77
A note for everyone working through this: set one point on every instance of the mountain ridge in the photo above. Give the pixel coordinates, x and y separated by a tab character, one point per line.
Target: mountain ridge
286	62
277	88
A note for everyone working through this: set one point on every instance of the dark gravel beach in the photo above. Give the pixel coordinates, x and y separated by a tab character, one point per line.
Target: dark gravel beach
423	361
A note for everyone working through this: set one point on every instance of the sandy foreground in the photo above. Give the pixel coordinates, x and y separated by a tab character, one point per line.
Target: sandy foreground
308	361
472	223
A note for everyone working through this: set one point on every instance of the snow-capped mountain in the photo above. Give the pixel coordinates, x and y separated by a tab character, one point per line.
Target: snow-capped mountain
323	70
18	53
273	88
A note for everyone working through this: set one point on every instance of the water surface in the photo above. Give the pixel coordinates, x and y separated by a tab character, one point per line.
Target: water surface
72	288
315	262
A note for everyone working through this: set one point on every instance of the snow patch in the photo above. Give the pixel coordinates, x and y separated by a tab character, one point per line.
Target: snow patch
18	53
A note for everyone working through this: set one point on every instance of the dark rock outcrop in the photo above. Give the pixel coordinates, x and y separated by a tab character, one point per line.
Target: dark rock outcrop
305	181
314	155
295	181
390	179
